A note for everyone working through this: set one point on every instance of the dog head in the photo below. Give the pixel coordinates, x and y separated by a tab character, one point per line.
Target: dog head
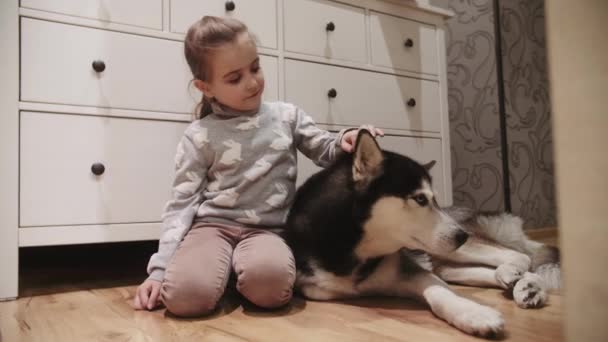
399	203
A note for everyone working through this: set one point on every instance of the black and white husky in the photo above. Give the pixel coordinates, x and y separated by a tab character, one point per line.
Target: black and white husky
370	225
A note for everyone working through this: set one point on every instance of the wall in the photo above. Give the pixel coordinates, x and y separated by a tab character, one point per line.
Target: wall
477	169
473	107
528	111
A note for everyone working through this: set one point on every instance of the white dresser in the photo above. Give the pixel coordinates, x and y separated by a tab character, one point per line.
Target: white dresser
94	96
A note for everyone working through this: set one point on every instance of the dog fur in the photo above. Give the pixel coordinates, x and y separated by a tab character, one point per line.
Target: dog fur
370	225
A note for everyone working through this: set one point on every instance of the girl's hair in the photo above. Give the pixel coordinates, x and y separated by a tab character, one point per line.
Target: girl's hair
203	36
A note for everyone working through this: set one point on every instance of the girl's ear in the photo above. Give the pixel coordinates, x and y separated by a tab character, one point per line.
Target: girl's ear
203	87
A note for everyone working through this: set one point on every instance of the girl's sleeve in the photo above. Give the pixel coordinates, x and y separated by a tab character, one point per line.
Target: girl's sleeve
178	215
319	145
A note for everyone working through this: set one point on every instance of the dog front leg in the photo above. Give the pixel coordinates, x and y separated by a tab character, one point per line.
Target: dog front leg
464	314
528	292
467	275
510	265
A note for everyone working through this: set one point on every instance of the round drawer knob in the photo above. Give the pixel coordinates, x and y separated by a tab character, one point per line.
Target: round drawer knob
411	102
408	43
99	66
98	169
332	93
230	6
330	27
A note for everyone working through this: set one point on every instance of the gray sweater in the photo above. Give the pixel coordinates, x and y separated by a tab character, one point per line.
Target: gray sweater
239	169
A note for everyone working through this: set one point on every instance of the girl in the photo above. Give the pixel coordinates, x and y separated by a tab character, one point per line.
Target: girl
234	181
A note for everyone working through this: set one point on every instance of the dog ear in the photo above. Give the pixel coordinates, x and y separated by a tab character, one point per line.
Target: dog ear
428	166
367	160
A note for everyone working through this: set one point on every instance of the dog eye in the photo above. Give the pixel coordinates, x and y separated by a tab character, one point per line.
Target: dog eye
421	200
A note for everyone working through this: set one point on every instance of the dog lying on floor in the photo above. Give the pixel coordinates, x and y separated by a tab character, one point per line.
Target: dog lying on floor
370	225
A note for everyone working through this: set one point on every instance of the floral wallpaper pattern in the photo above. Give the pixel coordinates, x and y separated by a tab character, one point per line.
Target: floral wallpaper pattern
473	107
474	112
528	111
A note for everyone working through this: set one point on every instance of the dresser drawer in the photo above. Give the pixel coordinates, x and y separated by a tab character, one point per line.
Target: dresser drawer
140	72
422	150
144	13
403	44
58	186
260	16
308	29
361	97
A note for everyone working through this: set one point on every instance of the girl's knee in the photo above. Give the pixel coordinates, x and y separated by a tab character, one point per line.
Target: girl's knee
267	286
190	300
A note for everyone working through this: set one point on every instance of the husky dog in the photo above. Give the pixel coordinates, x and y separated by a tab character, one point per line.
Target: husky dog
370	225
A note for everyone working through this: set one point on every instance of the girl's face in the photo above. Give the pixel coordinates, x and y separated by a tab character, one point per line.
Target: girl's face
235	77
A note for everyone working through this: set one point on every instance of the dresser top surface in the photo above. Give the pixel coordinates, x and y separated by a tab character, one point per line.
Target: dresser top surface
424	5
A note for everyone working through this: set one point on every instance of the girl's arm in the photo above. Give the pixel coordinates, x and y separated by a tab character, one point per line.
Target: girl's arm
319	145
188	185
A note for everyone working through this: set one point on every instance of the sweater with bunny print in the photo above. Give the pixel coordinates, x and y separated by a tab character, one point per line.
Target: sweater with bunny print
239	169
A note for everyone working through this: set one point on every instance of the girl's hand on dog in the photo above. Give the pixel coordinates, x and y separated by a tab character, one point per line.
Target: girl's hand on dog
349	139
147	296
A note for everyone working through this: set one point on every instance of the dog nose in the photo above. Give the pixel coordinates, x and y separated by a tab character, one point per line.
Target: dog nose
461	237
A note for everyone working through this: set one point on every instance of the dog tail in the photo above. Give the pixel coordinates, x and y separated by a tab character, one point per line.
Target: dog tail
545	263
507	230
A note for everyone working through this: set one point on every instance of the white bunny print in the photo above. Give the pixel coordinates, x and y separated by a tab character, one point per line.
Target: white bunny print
205	210
315	139
289	116
174	233
191	185
252	217
179	155
292	172
200	137
282	142
277	200
171	235
216	184
250	123
233	154
226	199
258	170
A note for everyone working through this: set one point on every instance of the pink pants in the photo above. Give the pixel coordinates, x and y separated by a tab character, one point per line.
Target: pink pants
197	275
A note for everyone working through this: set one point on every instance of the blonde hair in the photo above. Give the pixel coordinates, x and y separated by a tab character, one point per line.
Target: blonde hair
203	36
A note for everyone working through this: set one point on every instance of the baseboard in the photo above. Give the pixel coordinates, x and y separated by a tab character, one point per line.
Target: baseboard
543	233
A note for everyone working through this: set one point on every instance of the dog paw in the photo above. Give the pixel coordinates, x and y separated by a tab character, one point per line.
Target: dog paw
479	320
529	292
508	275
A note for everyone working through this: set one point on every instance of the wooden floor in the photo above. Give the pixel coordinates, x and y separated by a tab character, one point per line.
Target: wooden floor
71	294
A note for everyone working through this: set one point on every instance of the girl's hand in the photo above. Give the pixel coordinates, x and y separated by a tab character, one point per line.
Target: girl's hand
147	296
349	139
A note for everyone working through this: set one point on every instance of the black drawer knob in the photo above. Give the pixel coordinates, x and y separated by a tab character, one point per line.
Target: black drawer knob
98	169
408	43
230	6
330	27
411	102
99	66
332	93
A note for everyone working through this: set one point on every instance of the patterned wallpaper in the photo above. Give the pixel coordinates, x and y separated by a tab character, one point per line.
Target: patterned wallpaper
528	111
473	107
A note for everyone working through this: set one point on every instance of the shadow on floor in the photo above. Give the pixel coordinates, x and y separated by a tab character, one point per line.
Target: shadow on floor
58	269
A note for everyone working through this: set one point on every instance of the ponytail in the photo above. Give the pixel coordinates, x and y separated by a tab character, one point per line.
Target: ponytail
203	108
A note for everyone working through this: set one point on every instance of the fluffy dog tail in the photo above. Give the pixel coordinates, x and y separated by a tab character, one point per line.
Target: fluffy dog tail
507	230
545	263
